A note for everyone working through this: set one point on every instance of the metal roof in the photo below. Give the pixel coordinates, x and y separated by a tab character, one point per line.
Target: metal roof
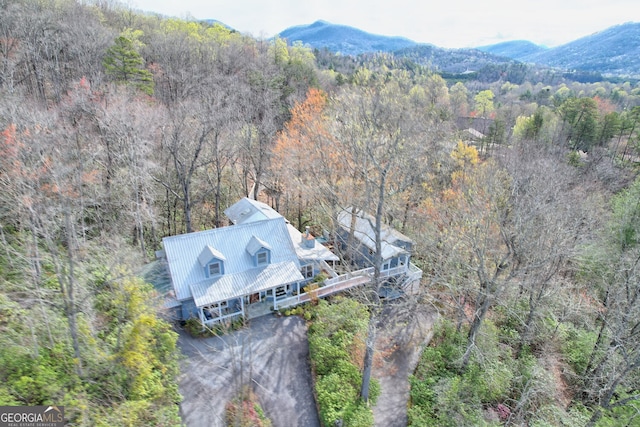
317	253
255	244
248	210
208	253
182	251
246	282
365	233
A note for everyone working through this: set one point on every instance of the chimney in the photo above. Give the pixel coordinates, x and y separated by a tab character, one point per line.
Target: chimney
307	241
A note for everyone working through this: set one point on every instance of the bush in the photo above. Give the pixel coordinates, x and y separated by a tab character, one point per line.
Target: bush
334	396
358	415
577	345
332	337
245	411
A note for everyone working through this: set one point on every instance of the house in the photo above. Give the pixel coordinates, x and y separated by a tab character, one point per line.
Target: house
395	247
220	273
258	264
357	237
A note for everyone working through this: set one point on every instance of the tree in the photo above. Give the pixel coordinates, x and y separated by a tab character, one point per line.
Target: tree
580	116
610	378
378	137
125	65
298	153
484	103
477	254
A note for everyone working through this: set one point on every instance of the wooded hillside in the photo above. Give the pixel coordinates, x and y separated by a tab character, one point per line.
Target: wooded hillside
120	128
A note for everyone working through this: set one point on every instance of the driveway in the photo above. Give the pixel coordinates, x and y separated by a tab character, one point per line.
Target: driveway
403	335
271	355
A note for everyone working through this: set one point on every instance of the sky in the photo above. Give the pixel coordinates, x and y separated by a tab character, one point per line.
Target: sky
451	24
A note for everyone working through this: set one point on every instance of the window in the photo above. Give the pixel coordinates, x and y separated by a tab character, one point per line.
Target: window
307	271
262	258
215	310
282	290
214	269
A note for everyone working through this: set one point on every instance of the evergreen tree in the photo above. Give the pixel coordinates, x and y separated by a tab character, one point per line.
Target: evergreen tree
124	64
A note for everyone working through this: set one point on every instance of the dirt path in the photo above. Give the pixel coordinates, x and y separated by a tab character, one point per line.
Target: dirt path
271	355
402	342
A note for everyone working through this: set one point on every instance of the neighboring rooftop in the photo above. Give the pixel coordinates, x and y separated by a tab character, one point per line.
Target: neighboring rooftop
365	233
249	210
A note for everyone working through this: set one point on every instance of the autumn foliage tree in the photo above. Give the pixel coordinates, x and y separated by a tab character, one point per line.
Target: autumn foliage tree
303	152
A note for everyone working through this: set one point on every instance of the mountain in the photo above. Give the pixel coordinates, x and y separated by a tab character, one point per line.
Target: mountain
515	49
614	51
343	39
351	41
457	61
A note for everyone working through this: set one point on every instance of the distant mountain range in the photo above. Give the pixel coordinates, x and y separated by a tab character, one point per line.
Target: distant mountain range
343	39
614	51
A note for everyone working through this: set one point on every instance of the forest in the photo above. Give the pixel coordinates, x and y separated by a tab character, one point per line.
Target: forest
119	128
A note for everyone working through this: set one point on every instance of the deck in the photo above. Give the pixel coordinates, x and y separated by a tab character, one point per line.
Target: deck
329	287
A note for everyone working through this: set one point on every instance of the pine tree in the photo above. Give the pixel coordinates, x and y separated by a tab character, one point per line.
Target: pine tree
124	64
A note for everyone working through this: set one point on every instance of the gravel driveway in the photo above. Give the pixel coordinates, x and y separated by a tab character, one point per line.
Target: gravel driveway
271	354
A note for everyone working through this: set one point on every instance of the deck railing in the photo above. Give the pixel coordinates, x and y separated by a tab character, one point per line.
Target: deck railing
336	284
348	281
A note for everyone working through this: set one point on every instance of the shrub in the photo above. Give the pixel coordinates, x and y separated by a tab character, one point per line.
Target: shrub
332	335
334	396
576	346
245	411
358	415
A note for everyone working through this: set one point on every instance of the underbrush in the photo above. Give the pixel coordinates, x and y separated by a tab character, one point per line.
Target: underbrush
336	335
487	393
245	411
506	382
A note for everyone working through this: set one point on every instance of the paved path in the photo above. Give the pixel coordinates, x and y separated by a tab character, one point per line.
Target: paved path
402	340
271	355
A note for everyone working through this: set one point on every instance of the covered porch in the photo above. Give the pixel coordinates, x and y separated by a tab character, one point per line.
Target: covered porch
248	294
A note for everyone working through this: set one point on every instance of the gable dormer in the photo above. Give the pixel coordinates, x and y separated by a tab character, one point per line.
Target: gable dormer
212	261
259	250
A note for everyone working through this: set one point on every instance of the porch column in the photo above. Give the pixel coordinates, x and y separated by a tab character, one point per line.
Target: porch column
242	305
201	315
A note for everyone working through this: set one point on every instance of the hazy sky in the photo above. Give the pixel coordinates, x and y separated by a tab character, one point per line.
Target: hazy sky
452	23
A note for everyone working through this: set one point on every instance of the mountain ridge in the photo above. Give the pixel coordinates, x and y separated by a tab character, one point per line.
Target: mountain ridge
612	51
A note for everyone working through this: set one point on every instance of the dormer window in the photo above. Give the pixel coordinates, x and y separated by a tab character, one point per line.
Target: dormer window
214	269
212	261
262	258
259	250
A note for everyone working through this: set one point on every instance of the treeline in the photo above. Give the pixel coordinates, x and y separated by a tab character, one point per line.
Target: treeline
119	128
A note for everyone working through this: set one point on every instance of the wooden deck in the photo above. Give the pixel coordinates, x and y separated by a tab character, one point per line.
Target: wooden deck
332	286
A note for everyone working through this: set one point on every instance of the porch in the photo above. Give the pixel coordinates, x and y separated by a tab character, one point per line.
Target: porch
258	305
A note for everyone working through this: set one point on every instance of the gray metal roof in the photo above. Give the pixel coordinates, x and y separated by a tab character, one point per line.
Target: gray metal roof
182	251
255	244
249	210
246	282
365	233
317	253
208	253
